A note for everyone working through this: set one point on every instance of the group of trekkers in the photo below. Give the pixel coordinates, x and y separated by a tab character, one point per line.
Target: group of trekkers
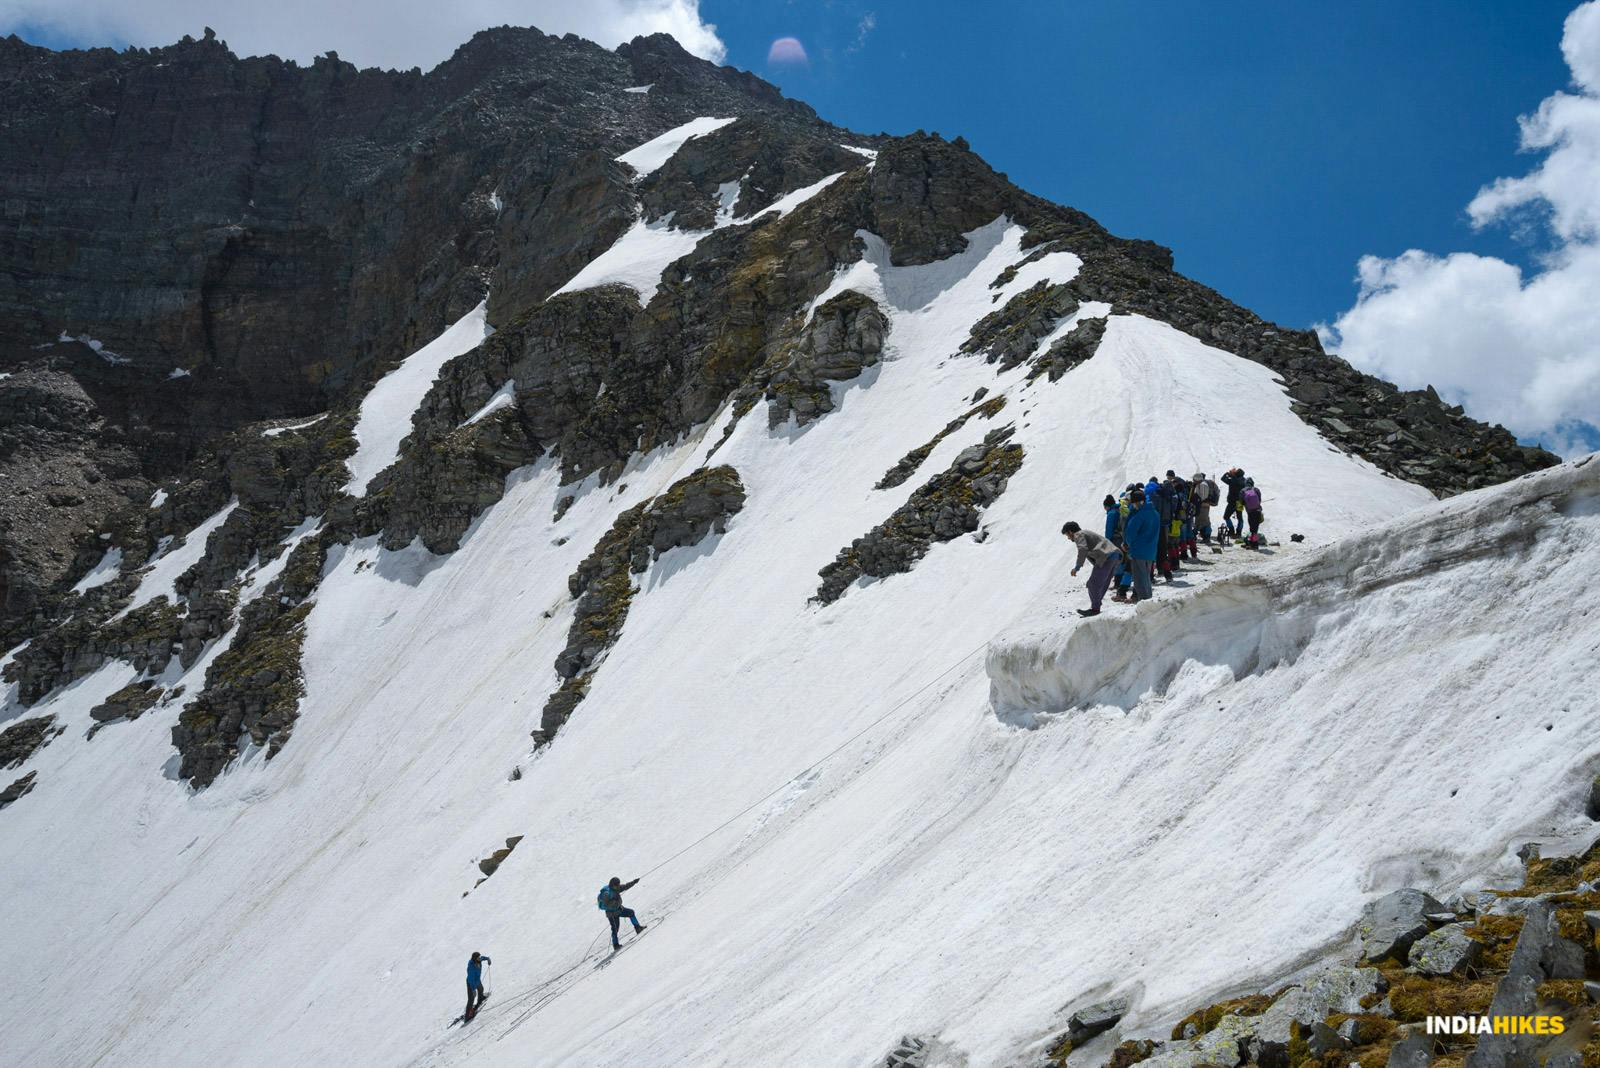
609	901
1156	526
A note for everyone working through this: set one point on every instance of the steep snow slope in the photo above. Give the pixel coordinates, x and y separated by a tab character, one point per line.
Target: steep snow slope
976	849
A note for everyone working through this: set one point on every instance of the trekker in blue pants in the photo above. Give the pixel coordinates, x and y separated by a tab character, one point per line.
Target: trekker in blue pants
1105	556
1141	534
610	902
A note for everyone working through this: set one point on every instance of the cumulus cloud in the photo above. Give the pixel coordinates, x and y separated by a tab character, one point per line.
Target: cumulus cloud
376	33
1519	350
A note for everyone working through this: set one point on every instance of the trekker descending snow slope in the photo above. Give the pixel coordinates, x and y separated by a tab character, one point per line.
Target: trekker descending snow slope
1141	537
610	902
1106	557
476	995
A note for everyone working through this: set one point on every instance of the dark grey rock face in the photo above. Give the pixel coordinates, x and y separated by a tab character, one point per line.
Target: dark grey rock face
253	689
844	338
26	737
17	788
281	234
942	509
1009	335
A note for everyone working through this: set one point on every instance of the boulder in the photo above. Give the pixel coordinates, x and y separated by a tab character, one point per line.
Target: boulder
1393	922
1095	1019
1592	808
1447	951
1413	1052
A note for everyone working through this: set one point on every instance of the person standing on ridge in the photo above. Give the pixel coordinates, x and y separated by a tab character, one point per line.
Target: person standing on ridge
476	995
610	902
1140	534
1106	557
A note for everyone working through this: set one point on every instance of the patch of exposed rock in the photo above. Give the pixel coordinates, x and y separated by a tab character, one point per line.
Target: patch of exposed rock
942	509
253	689
1067	352
844	338
693	508
1010	334
908	464
26	737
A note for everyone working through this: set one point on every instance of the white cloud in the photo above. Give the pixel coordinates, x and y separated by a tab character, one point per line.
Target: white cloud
864	28
1523	351
375	33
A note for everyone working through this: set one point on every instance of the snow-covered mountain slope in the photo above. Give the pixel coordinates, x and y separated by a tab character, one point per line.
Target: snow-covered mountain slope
941	804
1297	733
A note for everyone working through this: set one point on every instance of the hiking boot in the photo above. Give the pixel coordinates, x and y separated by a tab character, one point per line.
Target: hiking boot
1088	611
639	927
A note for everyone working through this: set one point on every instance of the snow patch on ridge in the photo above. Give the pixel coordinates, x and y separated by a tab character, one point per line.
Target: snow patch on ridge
109	567
637	258
504	397
649	157
387	409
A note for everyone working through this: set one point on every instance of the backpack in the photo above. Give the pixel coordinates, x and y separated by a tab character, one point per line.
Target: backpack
1213	495
602	897
1251	498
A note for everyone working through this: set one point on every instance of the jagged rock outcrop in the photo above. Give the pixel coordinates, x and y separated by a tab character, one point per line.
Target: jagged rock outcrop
1010	334
844	338
26	737
693	508
1067	352
253	689
17	788
942	509
130	702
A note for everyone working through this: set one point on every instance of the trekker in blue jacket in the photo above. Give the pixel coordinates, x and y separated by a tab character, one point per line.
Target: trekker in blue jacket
1141	533
1113	519
475	992
610	901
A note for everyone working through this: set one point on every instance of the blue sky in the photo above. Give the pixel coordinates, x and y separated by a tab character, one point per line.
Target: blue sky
1270	145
